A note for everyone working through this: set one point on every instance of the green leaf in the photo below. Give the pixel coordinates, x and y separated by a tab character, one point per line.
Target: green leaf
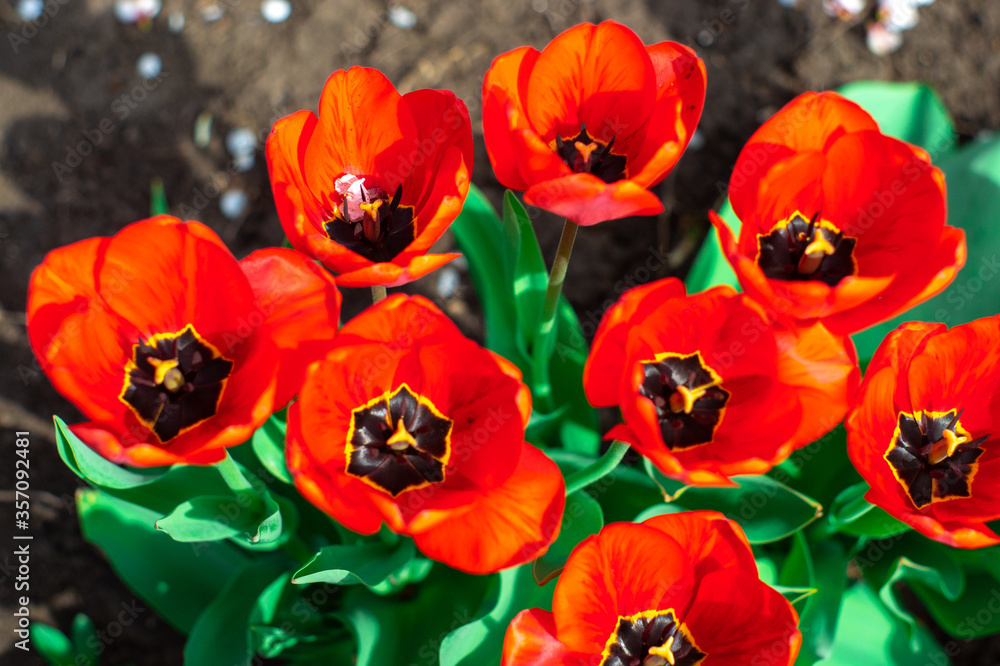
909	111
867	633
94	468
268	444
765	509
409	629
84	640
480	642
710	267
852	514
208	518
368	564
972	174
221	635
975	613
622	494
52	644
157	198
824	565
177	579
581	518
529	277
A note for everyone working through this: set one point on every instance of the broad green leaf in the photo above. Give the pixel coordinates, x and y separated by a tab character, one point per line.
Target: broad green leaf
975	613
909	111
622	494
268	444
867	633
480	235
581	518
52	644
368	564
177	579
852	514
710	267
765	509
529	277
480	642
826	564
221	635
209	518
823	468
408	629
972	174
795	595
94	468
578	430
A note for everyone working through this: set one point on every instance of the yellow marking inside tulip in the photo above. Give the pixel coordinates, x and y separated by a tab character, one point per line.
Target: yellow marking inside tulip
815	252
585	149
946	446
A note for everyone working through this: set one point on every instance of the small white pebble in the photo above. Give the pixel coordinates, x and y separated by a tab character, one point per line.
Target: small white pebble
134	11
203	129
881	40
898	14
234	204
149	65
843	9
211	13
241	141
29	10
244	163
697	141
175	22
401	17
447	282
275	11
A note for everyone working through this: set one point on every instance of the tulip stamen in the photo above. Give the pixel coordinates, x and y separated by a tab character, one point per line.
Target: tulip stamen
687	396
651	638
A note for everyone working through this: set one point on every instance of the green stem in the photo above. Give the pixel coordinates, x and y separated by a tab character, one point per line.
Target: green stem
543	342
598	469
378	293
238	482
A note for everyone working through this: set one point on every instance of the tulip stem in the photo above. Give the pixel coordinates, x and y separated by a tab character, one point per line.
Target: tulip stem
598	469
542	349
378	293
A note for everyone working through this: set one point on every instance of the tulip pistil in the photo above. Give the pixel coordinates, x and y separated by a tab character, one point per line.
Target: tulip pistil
651	638
398	441
801	249
687	396
584	154
933	457
174	381
368	221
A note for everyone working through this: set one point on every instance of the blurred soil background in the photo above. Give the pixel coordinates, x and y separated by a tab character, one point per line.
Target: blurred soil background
82	136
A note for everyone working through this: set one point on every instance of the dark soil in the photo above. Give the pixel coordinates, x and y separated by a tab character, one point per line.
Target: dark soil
82	138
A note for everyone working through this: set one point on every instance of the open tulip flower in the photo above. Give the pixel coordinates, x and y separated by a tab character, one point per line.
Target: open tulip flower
408	422
373	182
678	589
173	348
839	221
588	124
708	387
925	433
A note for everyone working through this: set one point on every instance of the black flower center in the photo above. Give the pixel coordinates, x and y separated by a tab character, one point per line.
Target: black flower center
174	381
584	154
933	456
801	249
398	441
688	398
651	638
369	223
